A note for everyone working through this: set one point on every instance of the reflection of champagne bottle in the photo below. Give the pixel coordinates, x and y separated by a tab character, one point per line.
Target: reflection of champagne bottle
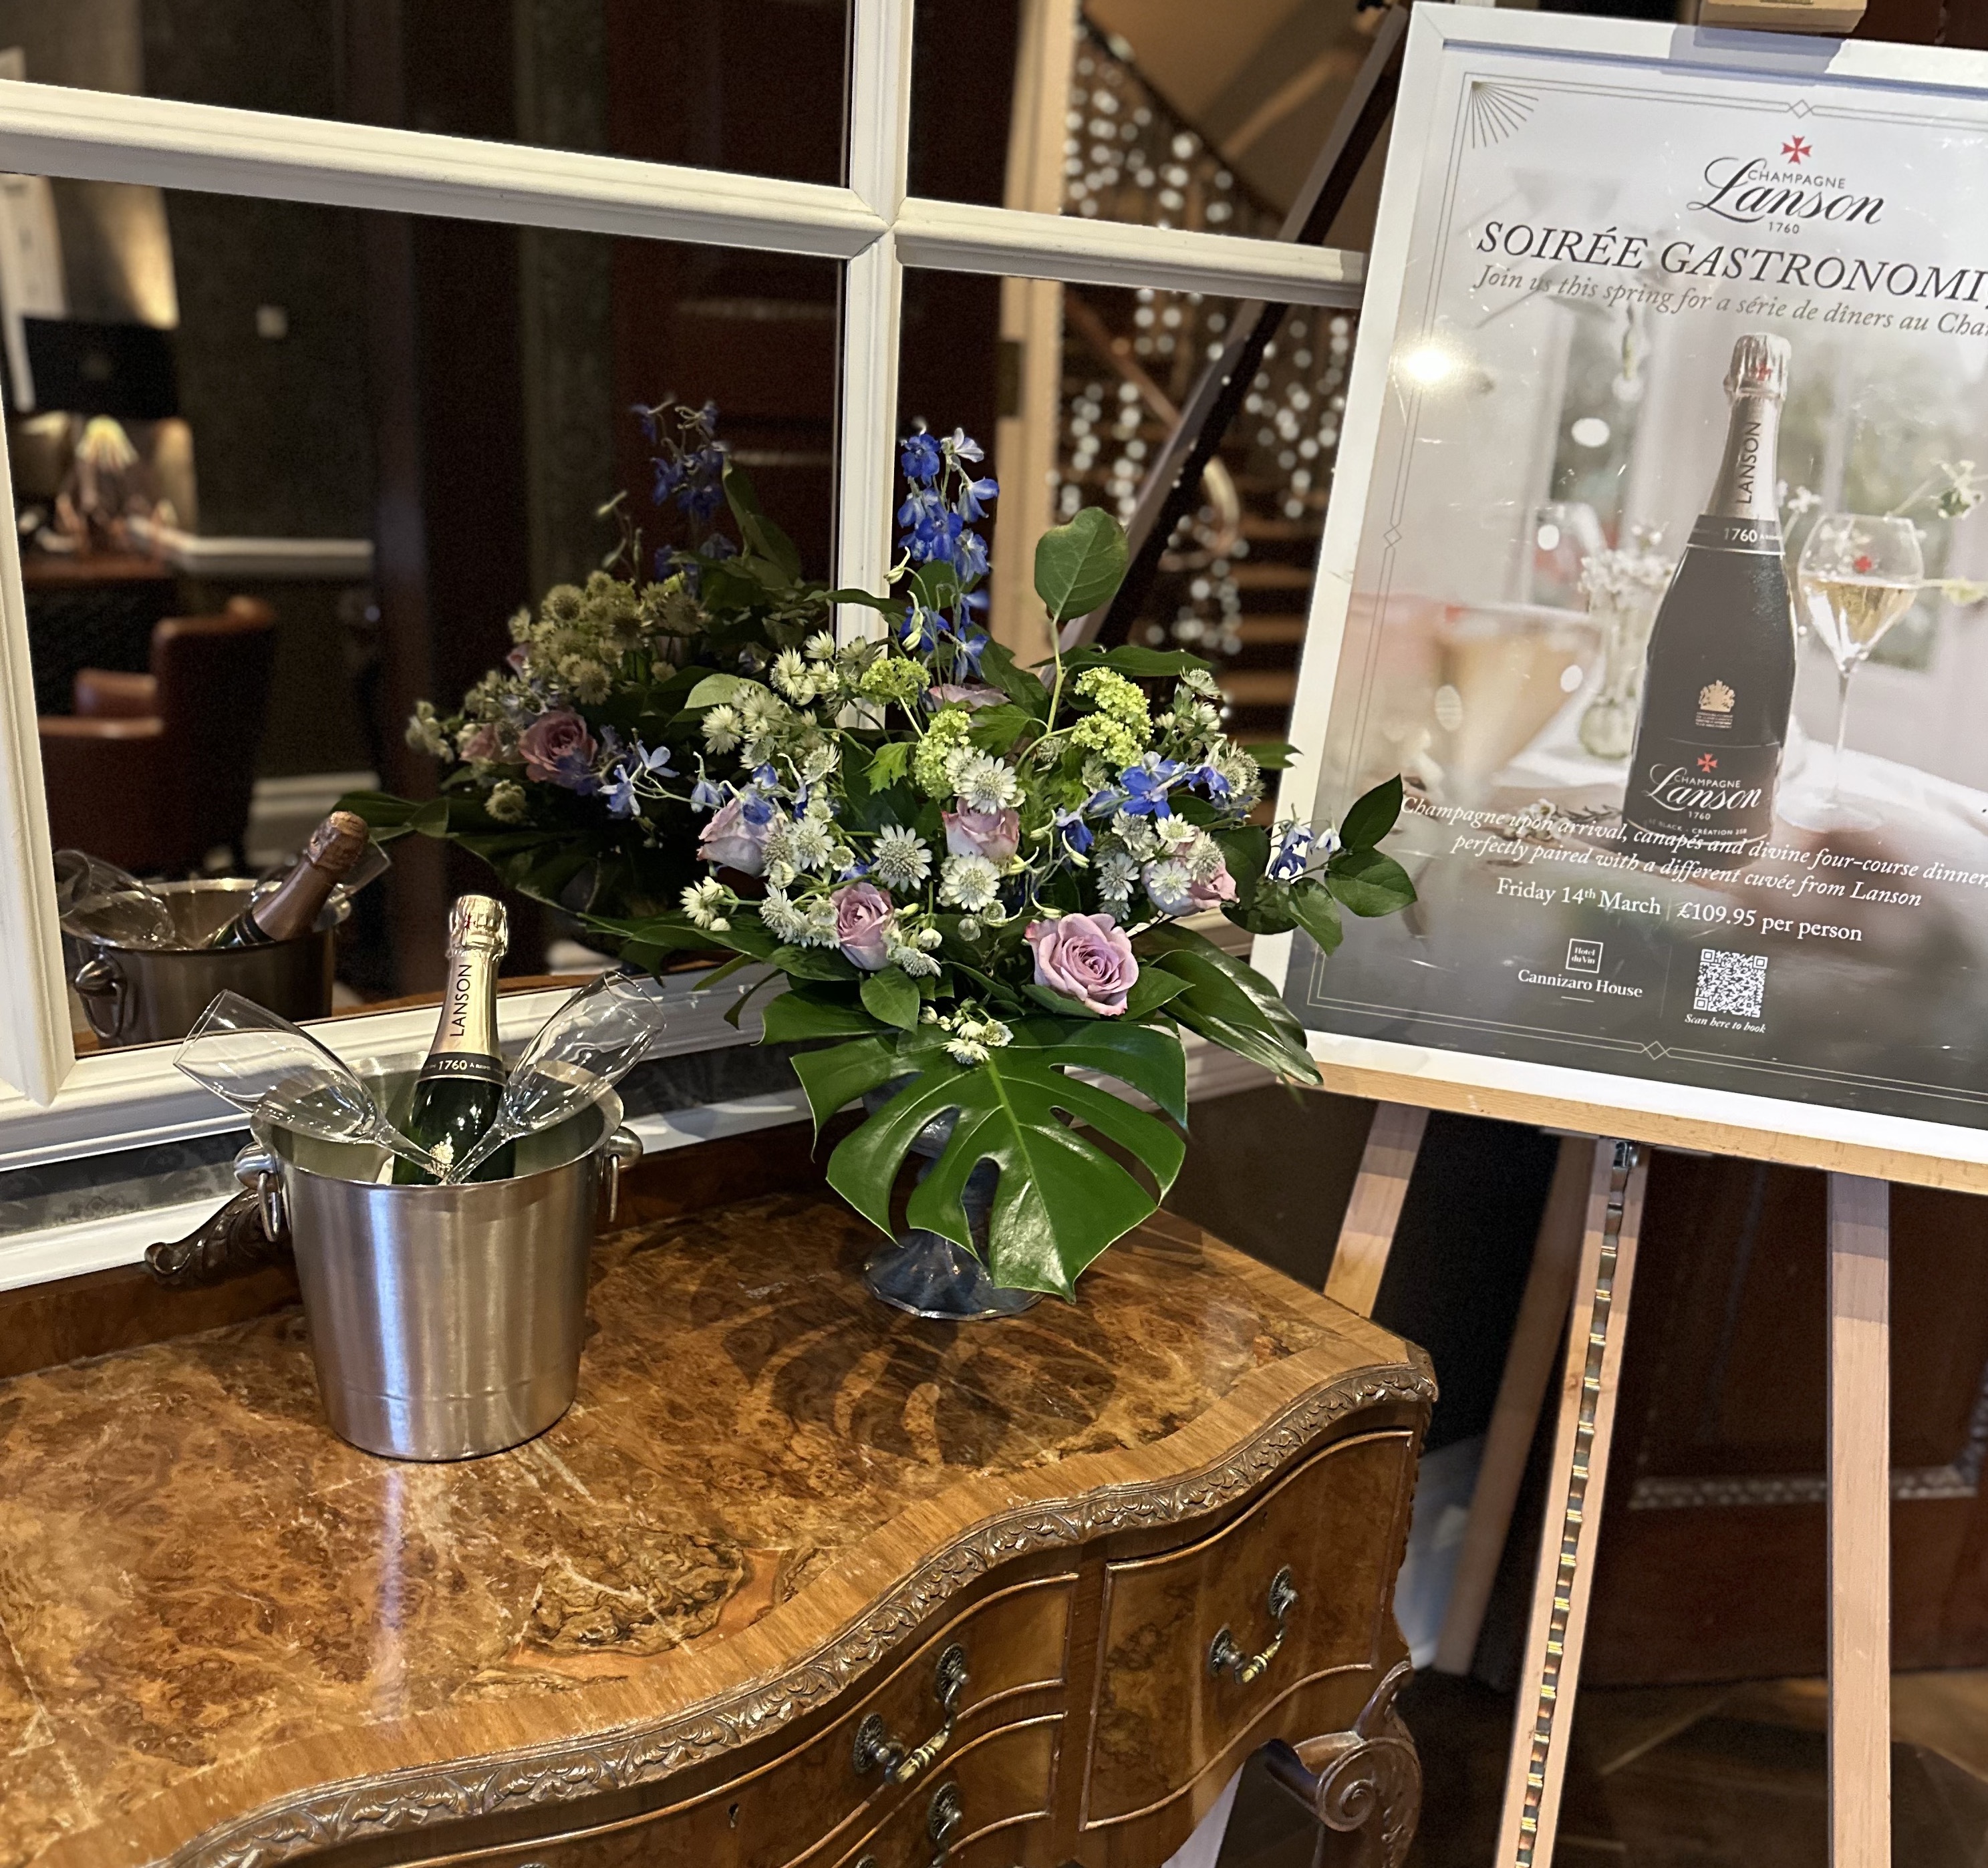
463	1082
1720	675
292	907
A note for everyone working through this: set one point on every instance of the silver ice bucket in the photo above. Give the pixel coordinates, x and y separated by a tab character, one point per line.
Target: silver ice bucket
445	1322
140	995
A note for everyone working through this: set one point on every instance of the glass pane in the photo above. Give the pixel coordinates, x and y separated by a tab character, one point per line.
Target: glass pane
1163	113
755	86
1083	427
394	433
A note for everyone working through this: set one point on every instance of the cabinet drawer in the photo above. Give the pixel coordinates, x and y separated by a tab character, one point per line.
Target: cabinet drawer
989	1808
1193	1659
810	1804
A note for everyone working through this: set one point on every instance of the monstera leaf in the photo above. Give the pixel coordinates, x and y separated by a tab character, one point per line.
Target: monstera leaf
1061	1199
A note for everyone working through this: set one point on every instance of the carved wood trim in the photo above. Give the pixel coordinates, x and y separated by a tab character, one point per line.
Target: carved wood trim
400	1802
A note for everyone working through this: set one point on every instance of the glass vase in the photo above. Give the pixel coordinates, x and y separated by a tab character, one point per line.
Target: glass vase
928	1275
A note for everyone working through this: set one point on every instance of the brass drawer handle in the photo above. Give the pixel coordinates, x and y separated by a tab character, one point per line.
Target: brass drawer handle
901	1762
1224	1656
942	1820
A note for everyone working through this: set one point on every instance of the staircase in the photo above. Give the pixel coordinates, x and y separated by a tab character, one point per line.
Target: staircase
1235	581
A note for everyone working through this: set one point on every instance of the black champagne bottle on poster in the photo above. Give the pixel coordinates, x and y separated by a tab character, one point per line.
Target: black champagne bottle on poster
1720	676
461	1085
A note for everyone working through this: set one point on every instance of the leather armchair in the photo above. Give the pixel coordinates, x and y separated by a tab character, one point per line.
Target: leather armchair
152	771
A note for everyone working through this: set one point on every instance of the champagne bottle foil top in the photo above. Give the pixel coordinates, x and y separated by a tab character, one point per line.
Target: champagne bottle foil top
1759	366
477	921
336	845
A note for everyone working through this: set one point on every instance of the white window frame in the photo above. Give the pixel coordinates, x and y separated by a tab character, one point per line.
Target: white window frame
60	1105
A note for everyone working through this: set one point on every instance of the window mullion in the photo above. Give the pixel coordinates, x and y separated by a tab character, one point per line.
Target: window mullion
880	122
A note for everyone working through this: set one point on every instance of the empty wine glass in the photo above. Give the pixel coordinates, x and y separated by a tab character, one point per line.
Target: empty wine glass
257	1060
97	901
1858	575
580	1053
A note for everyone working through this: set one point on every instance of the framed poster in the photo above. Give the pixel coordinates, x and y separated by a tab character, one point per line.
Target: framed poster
1656	486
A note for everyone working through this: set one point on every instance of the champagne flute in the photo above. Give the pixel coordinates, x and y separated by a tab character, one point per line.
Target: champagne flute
257	1060
1858	575
580	1053
97	901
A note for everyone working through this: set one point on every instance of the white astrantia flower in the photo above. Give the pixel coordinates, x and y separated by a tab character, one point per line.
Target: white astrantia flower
1244	776
1117	871
985	783
783	921
1138	834
820	646
706	903
901	859
1169	886
811	842
1174	833
721	728
1200	681
970	882
914	960
817	761
792	676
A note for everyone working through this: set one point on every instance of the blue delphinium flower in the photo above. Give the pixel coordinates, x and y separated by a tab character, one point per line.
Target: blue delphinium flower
1293	852
919	457
1075	831
1145	786
1209	783
708	795
973	496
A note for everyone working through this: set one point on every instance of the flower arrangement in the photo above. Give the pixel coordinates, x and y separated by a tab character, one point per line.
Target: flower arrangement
973	877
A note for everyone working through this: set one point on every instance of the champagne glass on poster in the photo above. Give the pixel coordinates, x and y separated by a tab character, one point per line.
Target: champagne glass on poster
580	1053
257	1060
1858	575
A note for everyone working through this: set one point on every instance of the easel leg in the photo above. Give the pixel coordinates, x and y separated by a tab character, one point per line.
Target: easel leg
1579	1475
1860	1523
1367	1234
1522	1392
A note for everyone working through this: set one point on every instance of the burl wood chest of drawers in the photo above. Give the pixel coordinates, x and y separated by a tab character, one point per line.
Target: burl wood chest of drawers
798	1583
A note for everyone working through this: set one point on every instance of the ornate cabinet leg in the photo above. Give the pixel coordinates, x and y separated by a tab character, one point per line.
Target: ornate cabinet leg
1366	1782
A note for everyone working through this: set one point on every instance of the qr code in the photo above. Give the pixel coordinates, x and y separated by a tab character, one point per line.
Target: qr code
1734	983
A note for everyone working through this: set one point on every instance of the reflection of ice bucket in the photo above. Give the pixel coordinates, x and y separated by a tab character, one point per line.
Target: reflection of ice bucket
1503	671
445	1322
139	994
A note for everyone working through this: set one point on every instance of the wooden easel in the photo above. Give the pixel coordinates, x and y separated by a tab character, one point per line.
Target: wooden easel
1583	1271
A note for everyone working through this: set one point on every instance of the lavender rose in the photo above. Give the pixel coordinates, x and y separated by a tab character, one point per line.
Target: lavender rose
1173	890
973	695
733	841
485	745
1086	956
863	916
995	835
557	749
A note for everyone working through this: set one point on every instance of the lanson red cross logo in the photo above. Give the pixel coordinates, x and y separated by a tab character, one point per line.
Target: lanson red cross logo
1707	763
1796	149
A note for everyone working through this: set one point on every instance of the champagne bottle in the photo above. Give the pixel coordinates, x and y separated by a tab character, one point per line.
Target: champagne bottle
292	907
462	1082
1719	679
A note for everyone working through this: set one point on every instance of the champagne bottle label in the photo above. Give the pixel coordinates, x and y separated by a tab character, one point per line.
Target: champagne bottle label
1718	681
463	1082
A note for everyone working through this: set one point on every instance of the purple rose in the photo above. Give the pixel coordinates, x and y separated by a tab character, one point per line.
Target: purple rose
1085	956
973	695
1173	891
485	745
557	748
863	917
733	841
995	835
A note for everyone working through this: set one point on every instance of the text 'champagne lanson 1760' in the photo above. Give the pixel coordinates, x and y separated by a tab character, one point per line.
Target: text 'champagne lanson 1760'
462	1082
1720	677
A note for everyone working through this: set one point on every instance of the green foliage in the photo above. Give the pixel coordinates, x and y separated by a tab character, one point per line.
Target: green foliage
1372	815
1062	1200
1229	1002
1080	565
891	996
